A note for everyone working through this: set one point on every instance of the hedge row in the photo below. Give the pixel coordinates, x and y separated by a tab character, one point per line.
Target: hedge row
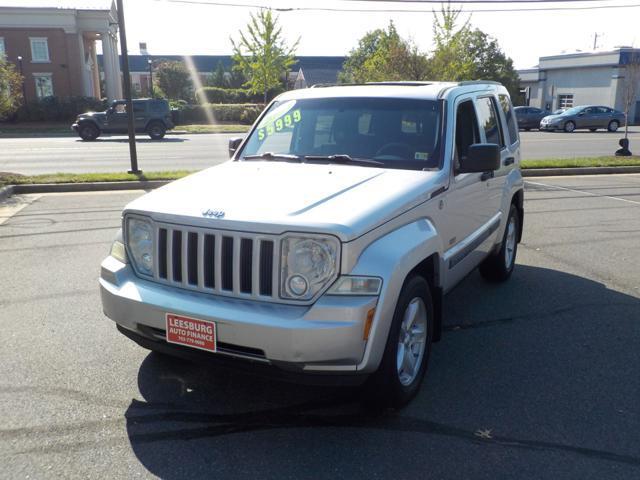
59	108
246	113
225	95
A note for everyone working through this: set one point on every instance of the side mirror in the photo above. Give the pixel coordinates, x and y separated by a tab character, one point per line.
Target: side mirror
581	114
234	143
482	157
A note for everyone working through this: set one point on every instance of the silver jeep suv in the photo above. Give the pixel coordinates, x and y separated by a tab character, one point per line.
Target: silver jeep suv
323	249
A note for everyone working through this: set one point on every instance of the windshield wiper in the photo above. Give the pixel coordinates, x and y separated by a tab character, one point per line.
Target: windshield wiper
272	156
342	158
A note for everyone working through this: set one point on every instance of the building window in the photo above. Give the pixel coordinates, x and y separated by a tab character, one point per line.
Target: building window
565	101
2	50
44	85
39	50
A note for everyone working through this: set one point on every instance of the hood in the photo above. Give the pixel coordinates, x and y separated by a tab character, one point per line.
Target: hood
551	118
276	197
92	115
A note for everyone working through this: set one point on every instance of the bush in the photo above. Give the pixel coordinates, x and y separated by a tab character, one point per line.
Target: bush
225	95
59	109
239	113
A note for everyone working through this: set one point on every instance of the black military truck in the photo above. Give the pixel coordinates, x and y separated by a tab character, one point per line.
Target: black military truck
151	116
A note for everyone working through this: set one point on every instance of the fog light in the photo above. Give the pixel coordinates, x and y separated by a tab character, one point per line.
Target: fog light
298	285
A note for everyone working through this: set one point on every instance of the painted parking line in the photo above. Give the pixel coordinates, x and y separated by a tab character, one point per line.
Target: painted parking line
582	192
13	205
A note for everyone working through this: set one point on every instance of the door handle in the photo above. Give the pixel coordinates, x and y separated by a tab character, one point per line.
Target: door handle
486	176
509	161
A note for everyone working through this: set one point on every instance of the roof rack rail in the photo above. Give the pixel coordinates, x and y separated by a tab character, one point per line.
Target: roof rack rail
476	82
406	83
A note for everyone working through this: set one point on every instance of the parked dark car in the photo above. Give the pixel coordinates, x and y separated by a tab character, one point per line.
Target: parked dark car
151	116
529	117
591	117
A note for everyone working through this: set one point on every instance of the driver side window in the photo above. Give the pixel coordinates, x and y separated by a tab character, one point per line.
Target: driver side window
467	132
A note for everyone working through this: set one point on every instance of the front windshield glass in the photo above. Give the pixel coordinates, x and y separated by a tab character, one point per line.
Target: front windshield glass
572	111
396	133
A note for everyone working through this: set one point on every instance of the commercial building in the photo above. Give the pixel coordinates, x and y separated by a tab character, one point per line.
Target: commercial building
55	48
595	78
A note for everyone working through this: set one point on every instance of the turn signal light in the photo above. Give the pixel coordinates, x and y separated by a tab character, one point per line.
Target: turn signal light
368	323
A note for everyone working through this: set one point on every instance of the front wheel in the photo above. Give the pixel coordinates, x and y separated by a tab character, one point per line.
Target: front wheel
156	131
613	125
406	353
569	127
88	132
498	266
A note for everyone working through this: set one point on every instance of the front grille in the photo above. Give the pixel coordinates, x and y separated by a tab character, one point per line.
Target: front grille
215	261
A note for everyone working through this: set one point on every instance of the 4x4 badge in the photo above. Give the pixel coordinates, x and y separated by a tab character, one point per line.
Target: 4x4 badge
213	213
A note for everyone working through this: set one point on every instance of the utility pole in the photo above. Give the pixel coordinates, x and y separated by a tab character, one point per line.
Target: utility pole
127	91
150	62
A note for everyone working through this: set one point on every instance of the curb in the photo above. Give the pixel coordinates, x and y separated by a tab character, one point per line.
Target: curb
86	187
557	172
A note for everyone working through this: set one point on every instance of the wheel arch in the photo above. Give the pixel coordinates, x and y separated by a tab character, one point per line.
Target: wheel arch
412	248
518	201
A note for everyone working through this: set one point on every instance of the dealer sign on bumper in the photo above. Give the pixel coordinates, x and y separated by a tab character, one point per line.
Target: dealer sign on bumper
191	332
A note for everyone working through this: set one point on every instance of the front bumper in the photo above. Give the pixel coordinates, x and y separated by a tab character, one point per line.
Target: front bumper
550	126
74	127
324	338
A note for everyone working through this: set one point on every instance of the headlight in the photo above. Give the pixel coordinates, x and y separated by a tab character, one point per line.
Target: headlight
140	243
348	285
308	265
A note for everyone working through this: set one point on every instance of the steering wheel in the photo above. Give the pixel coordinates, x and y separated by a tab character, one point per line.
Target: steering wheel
397	149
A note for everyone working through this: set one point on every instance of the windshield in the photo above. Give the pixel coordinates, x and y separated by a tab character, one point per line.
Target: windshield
572	111
396	133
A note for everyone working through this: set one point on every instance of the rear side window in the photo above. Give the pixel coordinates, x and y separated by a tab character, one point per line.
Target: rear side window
505	104
489	120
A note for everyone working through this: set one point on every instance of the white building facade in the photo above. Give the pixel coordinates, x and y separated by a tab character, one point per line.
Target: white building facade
598	78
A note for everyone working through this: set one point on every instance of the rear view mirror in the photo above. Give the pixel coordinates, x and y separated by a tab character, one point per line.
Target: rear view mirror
234	143
482	157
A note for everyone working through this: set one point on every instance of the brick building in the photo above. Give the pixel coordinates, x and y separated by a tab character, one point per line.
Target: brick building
53	44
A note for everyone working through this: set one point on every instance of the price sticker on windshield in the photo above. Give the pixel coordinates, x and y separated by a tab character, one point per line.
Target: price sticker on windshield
286	121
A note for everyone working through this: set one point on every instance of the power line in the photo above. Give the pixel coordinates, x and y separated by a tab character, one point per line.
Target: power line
392	10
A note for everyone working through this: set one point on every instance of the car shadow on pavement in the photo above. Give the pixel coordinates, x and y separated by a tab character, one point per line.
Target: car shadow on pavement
540	370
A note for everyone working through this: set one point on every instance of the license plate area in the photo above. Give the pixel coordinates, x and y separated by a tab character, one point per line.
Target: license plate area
191	332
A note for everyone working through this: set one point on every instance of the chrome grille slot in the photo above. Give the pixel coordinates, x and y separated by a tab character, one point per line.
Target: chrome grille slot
232	264
176	256
227	263
246	259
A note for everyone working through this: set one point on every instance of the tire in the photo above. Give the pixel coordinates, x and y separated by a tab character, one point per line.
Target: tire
498	266
593	129
156	131
569	127
88	132
527	129
393	385
613	125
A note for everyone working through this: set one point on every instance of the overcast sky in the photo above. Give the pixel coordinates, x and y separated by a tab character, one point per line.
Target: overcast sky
182	28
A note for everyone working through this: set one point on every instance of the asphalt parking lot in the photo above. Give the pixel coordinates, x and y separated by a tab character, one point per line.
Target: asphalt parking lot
32	156
535	378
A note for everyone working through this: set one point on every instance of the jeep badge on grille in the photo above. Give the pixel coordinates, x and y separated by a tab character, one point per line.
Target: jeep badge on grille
213	213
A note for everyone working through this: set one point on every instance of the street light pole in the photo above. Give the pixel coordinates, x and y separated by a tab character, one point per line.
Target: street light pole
150	62
127	91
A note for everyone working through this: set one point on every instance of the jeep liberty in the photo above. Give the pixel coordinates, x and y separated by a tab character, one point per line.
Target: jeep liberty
323	249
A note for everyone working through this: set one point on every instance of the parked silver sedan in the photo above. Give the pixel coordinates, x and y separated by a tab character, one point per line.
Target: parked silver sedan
591	117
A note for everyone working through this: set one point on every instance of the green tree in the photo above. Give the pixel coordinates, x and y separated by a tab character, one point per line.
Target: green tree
174	80
10	89
219	78
466	53
261	54
384	55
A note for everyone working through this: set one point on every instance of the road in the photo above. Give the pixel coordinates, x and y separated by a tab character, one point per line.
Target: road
31	156
534	378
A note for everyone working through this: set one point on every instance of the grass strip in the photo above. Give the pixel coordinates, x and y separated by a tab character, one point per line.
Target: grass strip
582	162
17	179
220	128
